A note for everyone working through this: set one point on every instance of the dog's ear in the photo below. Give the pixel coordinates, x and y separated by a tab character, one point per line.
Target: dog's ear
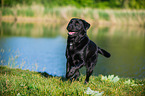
86	24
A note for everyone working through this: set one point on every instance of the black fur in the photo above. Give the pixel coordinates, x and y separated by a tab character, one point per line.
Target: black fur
81	51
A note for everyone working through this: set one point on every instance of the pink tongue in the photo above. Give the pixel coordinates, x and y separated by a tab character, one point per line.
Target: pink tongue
71	33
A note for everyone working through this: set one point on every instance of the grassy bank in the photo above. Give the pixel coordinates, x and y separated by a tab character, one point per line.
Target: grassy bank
38	13
23	82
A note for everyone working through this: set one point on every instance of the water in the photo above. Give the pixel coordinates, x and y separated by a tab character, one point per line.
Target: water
40	54
41	47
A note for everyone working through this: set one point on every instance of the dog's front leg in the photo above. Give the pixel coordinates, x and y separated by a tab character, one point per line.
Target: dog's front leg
75	76
74	69
67	69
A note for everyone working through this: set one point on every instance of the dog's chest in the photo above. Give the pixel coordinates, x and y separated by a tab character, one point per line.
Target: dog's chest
77	46
74	47
71	46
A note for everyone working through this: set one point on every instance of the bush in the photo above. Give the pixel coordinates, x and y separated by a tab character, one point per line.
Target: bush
133	4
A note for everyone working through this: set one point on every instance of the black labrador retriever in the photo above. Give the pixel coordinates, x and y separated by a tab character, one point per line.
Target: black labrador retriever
80	51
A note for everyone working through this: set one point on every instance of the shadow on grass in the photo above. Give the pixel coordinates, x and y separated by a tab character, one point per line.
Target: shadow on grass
5	70
45	74
16	71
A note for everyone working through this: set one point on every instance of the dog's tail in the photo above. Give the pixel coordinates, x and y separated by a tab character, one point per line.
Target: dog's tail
103	52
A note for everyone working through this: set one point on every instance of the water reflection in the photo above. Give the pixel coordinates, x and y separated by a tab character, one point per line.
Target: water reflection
42	48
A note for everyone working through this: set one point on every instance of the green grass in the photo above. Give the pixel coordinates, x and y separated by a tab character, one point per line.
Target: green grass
27	83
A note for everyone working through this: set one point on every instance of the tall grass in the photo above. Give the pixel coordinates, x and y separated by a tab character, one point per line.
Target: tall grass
59	14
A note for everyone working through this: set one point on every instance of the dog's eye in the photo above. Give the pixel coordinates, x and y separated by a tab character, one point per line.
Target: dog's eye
77	24
70	22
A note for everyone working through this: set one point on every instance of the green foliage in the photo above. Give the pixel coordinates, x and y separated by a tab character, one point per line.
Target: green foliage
133	4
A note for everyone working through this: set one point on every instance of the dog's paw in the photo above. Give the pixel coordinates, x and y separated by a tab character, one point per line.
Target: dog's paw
85	82
72	71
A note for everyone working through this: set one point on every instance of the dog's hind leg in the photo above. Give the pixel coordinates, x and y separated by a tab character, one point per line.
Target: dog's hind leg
89	72
89	67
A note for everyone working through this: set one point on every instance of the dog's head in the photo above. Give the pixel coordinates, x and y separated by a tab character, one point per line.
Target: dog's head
77	26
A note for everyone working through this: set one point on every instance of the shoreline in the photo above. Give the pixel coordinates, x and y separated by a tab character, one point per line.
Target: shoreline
45	20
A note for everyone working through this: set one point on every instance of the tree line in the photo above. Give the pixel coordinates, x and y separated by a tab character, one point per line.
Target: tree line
115	4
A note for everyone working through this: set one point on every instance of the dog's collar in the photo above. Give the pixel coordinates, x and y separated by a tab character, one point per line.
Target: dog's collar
71	44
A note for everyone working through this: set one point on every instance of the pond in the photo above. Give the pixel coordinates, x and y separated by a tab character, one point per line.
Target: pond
41	47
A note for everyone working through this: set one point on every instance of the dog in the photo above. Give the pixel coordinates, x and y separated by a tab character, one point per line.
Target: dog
81	51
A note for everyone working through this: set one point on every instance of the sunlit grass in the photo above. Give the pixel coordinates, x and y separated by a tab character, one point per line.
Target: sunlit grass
24	82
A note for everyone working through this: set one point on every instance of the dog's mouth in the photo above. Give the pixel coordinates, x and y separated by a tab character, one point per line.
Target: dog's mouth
71	33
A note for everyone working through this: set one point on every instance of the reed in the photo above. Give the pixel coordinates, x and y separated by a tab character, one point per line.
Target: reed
58	14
